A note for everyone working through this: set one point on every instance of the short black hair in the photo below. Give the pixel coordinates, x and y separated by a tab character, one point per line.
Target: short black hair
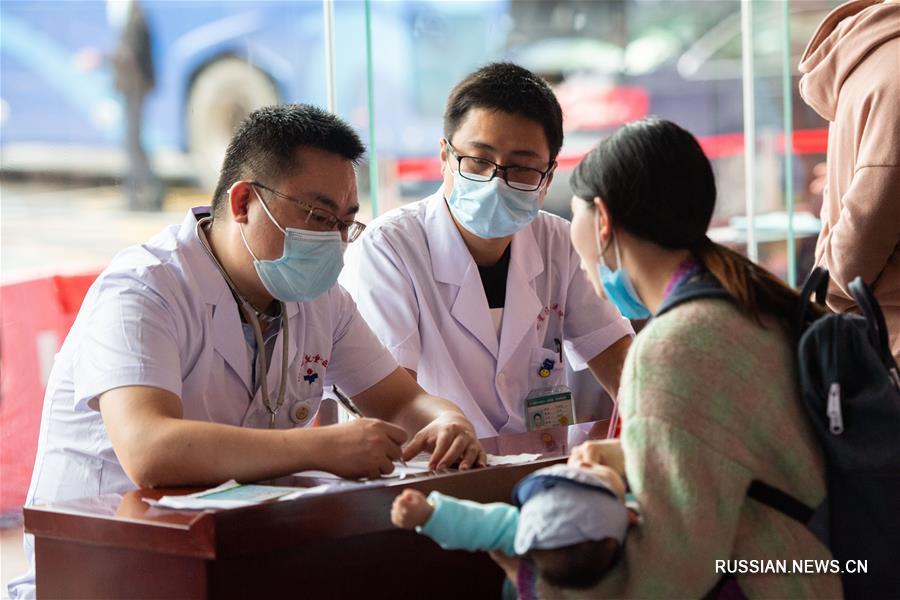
655	181
509	88
265	144
579	566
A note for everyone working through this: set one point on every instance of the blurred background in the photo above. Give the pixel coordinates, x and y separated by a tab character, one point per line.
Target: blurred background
115	115
118	104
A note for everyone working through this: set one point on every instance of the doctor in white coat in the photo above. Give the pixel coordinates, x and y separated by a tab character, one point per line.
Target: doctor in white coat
202	354
474	290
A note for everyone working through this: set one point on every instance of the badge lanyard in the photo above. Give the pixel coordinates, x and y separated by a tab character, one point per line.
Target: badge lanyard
551	405
252	315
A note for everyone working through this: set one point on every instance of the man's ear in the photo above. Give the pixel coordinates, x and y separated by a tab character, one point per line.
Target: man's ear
239	197
443	154
550	174
545	186
605	225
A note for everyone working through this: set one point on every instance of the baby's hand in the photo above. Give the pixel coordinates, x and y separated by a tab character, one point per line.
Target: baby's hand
411	509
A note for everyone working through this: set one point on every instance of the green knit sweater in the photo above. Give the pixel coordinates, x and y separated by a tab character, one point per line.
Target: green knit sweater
709	402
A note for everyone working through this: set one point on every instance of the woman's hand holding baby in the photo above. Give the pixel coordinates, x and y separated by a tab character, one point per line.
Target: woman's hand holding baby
603	452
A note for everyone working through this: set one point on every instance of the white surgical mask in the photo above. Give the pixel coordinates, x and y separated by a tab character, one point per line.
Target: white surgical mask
492	209
308	267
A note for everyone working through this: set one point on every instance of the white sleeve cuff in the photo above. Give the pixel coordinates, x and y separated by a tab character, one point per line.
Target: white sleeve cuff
360	379
87	395
407	355
587	347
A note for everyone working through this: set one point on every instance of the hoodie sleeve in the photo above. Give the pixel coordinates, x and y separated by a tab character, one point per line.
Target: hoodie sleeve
866	232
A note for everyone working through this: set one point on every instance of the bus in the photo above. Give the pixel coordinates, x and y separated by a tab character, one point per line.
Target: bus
217	61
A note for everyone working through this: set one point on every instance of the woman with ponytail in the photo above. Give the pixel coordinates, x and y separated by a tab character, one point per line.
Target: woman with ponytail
709	398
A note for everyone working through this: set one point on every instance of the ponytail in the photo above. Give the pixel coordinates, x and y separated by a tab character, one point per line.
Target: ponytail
756	291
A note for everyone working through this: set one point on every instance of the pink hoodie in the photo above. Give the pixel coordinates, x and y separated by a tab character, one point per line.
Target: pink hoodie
852	78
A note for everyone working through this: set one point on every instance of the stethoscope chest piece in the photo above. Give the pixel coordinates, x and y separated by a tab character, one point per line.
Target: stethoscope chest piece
300	412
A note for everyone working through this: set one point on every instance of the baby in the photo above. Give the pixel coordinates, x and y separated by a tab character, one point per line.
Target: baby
568	522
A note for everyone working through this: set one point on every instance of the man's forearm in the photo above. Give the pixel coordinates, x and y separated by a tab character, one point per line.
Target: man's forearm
422	410
607	366
400	400
184	452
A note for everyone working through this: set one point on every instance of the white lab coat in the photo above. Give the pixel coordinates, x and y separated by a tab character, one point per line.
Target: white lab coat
417	286
161	315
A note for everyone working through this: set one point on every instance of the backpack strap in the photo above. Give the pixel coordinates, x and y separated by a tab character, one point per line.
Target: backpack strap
816	282
780	501
877	329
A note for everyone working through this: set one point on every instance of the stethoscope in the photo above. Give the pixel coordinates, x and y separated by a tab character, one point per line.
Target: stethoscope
253	316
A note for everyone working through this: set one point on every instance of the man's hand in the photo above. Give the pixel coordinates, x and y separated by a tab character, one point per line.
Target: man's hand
362	448
451	439
411	509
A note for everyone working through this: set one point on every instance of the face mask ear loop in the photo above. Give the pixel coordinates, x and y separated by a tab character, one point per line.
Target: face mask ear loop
266	208
616	247
269	214
598	240
246	245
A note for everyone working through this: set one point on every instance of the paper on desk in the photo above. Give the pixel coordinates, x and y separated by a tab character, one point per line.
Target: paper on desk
511	459
419	464
232	494
410	468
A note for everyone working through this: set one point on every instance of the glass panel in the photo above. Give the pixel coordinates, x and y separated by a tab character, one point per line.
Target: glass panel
612	62
72	74
777	219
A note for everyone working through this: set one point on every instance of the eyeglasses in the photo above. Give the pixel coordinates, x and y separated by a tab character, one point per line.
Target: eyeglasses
524	179
321	217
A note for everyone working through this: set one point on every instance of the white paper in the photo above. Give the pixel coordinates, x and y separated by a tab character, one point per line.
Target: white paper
511	459
419	464
231	494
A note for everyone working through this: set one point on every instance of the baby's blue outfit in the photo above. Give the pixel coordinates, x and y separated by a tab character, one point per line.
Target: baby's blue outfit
464	525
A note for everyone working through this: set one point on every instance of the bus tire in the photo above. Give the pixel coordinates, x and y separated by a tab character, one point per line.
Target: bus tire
222	94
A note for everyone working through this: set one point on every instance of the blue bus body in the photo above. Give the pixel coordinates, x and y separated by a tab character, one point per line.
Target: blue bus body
56	82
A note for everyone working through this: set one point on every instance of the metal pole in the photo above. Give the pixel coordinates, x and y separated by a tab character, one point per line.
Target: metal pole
749	125
328	14
788	92
370	85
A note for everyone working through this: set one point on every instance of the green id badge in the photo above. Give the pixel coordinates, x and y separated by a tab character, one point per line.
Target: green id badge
549	407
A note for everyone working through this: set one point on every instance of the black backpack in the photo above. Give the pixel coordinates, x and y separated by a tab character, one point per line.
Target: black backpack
850	388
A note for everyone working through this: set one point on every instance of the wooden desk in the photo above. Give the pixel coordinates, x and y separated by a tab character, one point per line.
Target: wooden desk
336	545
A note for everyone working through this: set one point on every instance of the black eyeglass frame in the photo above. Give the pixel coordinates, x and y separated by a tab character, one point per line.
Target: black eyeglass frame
505	168
353	228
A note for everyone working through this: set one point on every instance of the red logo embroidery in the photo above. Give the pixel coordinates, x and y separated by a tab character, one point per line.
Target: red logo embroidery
317	359
547	312
309	359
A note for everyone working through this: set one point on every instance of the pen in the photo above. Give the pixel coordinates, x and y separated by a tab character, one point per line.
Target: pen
351	407
347	403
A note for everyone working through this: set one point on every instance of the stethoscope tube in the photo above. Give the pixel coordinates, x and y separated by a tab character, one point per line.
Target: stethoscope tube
252	316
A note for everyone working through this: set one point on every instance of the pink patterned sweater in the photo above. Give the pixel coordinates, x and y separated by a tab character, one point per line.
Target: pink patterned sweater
709	402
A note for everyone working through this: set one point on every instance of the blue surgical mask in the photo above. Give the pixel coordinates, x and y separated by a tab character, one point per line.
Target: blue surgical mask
619	289
309	266
491	209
